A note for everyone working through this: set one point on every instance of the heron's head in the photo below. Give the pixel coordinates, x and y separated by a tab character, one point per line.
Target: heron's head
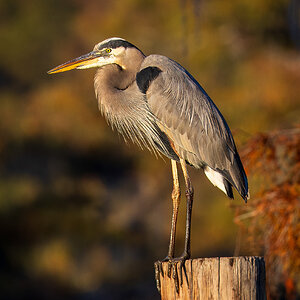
111	51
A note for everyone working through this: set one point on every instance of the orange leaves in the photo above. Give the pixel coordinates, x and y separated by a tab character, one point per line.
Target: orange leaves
274	212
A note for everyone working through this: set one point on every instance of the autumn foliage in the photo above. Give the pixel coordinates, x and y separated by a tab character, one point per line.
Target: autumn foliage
273	213
84	216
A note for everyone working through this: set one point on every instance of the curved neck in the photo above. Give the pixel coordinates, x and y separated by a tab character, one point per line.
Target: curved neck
111	78
112	82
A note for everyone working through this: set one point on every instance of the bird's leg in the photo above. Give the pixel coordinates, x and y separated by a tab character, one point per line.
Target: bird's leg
189	204
176	202
172	267
187	245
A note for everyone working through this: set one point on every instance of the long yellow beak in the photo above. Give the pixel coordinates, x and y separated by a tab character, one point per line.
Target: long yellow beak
81	62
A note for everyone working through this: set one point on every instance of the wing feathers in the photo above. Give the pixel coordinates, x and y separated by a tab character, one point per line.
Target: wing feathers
192	121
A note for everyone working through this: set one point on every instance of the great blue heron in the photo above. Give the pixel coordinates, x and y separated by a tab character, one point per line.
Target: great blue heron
154	101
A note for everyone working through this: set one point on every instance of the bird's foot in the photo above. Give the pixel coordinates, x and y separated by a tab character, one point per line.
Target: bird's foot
159	271
172	270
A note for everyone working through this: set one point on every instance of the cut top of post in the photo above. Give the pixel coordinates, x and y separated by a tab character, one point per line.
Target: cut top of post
217	278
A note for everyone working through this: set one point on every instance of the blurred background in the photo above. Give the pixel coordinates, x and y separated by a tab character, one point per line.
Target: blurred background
82	214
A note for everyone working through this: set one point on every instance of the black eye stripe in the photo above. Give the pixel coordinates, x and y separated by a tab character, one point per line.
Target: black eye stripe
113	44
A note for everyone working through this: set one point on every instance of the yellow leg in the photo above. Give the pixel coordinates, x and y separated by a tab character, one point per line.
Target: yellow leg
172	266
176	202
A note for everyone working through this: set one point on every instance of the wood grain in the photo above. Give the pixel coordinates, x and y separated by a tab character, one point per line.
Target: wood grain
217	278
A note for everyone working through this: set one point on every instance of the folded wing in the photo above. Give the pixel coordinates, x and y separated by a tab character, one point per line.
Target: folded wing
194	125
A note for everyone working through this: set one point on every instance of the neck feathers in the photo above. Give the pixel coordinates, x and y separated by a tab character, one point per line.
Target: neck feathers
114	84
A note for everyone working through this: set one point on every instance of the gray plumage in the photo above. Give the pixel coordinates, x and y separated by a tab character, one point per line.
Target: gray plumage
175	111
200	133
156	103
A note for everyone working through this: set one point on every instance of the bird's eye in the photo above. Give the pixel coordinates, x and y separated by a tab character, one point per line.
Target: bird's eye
108	50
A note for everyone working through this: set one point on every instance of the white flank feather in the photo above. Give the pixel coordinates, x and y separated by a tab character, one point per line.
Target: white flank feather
215	178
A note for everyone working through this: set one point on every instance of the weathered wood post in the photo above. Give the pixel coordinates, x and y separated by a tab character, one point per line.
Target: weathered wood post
220	278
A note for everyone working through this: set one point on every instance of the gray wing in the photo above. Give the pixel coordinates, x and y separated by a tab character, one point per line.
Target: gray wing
193	123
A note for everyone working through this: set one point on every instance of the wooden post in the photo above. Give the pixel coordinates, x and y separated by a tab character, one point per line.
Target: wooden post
220	278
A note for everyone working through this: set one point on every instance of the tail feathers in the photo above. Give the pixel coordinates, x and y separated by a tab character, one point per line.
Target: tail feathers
219	181
237	177
228	187
225	183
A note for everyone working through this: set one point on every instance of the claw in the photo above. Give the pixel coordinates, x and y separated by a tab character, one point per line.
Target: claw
169	268
158	270
175	276
182	266
181	261
172	271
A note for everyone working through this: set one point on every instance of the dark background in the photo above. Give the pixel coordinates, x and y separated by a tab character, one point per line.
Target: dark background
82	214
